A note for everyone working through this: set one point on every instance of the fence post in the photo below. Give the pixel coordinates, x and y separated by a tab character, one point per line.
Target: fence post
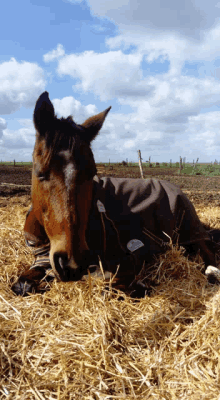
195	165
180	164
14	163
170	163
140	164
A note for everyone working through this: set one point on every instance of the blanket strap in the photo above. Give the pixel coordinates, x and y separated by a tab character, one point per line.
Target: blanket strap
155	238
102	211
163	244
41	255
117	233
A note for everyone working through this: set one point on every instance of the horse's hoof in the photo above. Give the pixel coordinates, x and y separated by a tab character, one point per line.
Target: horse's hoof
213	275
24	287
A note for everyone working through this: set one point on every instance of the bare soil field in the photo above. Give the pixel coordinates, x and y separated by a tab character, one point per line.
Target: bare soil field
81	341
10	177
200	189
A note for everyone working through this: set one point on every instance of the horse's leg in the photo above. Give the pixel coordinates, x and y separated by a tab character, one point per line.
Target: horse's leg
28	282
207	252
209	249
36	278
36	239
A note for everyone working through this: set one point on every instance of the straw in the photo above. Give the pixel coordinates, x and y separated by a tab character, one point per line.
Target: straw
81	341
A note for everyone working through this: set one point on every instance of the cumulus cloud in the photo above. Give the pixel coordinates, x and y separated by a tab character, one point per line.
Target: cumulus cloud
20	85
54	54
109	75
178	99
20	139
203	133
3	126
161	105
70	106
159	123
189	18
165	108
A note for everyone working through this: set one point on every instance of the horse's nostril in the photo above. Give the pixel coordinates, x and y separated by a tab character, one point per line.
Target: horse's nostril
61	265
66	271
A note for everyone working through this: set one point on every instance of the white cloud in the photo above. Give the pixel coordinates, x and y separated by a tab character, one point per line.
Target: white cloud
160	120
3	126
164	108
203	133
109	75
18	144
70	106
189	18
54	54
20	85
129	144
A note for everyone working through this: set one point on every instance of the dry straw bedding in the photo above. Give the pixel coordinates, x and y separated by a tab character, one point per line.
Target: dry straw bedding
80	341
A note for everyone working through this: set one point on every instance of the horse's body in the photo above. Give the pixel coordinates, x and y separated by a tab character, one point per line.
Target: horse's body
77	219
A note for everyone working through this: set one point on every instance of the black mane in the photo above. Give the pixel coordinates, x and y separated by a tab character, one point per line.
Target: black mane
64	135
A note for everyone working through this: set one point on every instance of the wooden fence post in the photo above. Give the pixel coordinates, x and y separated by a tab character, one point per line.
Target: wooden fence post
180	164
140	164
195	165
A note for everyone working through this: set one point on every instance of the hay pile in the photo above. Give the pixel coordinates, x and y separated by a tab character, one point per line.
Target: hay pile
80	341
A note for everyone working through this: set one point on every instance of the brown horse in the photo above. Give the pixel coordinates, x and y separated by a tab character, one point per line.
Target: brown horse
62	183
77	218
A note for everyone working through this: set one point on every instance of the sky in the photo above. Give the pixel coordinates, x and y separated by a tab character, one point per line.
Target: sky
157	63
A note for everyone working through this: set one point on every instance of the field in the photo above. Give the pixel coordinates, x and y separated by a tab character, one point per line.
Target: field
81	341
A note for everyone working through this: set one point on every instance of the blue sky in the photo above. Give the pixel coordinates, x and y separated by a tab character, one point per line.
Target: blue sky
156	63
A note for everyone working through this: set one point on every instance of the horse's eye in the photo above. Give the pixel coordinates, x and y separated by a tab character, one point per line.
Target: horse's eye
43	176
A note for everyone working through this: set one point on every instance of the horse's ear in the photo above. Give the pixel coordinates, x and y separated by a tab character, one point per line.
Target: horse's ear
43	114
93	124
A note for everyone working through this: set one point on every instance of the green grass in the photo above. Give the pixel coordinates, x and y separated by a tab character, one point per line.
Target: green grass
202	169
145	165
11	163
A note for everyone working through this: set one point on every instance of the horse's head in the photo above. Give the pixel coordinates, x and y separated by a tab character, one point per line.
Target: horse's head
62	182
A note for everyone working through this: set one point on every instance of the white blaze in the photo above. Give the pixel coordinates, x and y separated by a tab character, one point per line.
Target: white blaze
69	170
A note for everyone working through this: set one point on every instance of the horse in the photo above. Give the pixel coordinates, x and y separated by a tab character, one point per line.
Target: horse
77	219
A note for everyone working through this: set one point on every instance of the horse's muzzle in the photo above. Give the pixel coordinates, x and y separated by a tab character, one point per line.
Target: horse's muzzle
69	271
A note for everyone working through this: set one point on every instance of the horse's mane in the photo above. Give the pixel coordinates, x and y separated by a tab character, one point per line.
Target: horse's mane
65	135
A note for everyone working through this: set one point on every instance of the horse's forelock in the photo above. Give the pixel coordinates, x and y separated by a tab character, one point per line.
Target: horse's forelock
63	136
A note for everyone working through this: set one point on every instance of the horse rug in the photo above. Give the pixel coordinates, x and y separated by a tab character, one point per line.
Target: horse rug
130	221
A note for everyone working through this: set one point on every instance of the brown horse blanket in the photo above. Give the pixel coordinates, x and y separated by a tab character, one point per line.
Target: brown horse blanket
130	221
